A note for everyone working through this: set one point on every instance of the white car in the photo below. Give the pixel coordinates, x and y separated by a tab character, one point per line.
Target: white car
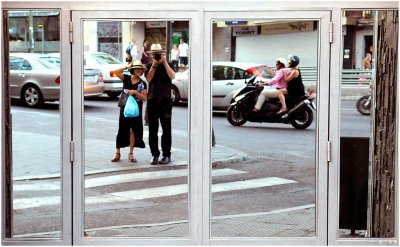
106	64
227	77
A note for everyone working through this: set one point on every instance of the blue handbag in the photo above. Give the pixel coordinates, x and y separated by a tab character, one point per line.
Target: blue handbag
131	107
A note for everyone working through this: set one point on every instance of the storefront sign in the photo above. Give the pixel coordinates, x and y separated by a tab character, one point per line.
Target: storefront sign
245	31
155	24
290	27
235	23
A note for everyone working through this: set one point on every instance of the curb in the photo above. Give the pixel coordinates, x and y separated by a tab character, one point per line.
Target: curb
226	156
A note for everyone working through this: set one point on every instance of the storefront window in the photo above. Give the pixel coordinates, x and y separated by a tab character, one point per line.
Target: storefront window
34	31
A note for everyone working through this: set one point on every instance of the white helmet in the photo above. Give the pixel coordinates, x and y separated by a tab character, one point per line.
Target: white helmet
281	60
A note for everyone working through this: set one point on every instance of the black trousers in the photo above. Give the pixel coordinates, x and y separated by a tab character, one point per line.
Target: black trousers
160	111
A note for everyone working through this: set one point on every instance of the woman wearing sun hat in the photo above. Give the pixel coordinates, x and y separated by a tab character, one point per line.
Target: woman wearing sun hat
130	131
159	75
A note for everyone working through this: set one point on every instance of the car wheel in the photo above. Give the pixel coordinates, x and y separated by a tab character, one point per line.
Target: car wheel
113	95
31	96
175	96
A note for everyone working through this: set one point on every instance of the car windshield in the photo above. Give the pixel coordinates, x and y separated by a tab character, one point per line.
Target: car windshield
105	59
53	60
48	64
262	71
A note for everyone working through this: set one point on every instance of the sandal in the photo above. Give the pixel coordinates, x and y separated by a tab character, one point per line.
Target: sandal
131	158
281	111
117	157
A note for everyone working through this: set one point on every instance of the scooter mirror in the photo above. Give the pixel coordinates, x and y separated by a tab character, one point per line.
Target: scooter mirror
247	75
252	79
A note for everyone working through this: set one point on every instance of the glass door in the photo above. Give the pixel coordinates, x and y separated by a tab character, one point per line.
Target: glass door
37	172
275	190
133	176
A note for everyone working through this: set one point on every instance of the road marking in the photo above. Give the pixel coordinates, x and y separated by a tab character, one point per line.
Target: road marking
123	178
157	192
143	176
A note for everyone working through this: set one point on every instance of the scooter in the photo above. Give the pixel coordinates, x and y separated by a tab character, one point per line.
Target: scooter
299	114
364	105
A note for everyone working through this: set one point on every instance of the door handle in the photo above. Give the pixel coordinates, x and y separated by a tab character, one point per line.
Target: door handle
229	83
21	75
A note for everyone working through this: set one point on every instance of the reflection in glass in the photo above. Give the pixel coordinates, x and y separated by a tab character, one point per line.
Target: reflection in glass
35	91
356	83
124	198
363	185
266	185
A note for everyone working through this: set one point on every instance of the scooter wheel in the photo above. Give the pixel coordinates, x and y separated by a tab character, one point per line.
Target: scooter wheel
364	105
302	119
236	116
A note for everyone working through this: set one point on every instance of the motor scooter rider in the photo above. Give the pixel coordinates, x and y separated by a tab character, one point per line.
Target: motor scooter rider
295	86
273	87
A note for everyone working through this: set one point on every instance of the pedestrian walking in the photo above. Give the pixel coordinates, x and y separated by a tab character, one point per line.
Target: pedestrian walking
183	53
175	56
366	63
159	75
145	57
132	53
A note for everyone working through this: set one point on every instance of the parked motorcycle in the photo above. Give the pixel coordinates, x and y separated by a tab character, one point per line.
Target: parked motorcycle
299	115
364	105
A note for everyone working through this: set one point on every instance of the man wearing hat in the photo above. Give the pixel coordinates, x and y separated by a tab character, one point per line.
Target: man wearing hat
159	75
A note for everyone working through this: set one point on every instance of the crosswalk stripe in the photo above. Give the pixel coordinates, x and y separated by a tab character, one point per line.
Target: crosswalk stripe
149	193
123	178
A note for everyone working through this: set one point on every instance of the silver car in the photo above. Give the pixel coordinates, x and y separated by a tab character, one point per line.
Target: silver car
35	78
93	83
93	80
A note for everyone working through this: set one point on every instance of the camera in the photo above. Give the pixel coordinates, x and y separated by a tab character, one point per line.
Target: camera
157	56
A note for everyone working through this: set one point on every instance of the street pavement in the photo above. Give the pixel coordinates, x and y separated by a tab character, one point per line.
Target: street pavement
297	221
98	154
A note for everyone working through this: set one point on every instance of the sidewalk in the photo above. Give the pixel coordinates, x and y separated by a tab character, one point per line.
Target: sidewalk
295	222
98	161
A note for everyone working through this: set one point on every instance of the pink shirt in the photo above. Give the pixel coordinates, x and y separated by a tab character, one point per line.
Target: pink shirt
278	80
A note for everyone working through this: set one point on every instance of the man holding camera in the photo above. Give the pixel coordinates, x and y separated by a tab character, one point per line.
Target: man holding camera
159	75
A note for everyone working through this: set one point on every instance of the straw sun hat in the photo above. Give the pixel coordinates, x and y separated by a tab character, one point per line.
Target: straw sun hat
156	48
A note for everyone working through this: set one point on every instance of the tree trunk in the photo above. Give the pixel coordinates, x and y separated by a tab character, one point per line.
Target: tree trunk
383	198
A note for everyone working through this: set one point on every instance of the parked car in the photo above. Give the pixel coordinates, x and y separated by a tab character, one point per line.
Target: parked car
33	79
227	77
180	87
93	81
106	64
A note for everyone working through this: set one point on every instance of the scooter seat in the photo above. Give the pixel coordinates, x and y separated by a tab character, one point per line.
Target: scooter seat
292	99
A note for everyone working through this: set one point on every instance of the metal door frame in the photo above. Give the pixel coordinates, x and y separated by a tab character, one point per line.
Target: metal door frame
334	130
194	121
321	132
200	114
66	131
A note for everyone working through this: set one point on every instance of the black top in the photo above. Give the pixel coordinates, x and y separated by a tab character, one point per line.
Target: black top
160	85
140	86
145	59
296	86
